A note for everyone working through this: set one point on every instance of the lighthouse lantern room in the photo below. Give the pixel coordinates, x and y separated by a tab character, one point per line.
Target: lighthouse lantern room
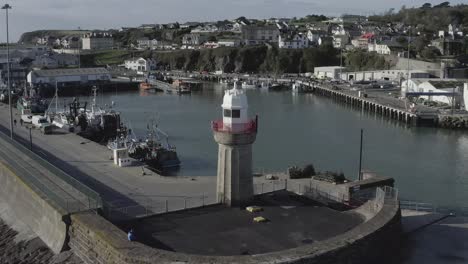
235	109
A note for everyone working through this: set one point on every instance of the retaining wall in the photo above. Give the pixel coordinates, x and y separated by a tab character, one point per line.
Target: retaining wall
34	209
95	240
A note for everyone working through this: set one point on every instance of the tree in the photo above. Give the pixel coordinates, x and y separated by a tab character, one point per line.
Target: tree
308	171
211	38
426	6
430	53
442	5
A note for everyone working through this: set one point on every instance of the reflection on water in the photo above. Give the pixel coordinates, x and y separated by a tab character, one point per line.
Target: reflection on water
297	129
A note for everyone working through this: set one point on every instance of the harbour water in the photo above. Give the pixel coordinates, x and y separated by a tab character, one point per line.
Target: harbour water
429	165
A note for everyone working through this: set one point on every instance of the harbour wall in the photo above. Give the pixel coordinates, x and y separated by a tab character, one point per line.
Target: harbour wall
369	105
95	240
45	219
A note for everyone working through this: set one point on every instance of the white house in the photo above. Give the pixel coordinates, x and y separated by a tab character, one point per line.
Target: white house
145	43
193	39
208	28
385	48
141	64
293	41
68	76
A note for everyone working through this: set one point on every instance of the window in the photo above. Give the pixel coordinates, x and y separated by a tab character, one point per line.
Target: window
227	113
235	113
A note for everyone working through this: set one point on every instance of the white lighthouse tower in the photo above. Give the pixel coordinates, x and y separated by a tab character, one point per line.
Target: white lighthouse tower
235	134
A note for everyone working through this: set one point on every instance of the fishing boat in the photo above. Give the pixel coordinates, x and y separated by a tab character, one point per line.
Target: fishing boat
60	118
278	87
157	153
97	124
249	85
32	102
146	86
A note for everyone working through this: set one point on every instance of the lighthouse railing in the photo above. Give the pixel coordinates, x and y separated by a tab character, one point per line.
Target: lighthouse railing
243	128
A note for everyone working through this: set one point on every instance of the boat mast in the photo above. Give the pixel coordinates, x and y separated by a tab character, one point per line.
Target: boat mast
94	99
56	97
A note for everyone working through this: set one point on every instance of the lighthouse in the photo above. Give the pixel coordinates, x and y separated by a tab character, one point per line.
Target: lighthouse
235	134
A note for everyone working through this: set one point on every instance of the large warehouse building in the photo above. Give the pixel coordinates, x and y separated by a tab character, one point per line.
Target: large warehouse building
82	76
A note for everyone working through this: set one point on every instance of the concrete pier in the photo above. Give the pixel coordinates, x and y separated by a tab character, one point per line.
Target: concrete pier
368	104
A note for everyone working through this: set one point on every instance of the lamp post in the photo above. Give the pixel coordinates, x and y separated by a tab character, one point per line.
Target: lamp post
6	7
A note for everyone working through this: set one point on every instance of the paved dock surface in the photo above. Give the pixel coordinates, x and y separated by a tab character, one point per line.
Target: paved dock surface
218	230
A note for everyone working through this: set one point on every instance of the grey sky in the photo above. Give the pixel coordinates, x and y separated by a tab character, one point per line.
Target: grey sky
28	15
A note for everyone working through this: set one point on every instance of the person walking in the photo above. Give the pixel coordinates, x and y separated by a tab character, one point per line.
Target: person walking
131	235
14	121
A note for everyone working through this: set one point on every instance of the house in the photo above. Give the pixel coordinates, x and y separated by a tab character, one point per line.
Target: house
254	35
340	41
141	64
229	42
360	43
338	30
70	42
207	28
193	39
97	41
165	45
81	76
314	36
146	43
239	23
293	41
386	48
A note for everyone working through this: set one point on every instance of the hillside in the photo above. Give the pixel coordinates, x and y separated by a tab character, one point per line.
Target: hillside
246	59
428	18
249	59
28	37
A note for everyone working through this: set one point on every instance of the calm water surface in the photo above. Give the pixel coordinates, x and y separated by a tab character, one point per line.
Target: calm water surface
428	164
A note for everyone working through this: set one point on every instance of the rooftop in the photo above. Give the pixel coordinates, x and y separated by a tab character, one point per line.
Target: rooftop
293	221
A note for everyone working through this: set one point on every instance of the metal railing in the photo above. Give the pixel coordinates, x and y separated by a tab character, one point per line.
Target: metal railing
245	128
153	205
94	200
433	208
268	187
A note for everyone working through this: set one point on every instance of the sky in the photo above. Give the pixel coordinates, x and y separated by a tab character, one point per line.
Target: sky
29	15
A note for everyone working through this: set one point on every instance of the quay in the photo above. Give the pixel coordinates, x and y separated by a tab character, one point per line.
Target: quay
385	106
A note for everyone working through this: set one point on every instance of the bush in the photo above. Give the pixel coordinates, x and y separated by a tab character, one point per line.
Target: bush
308	171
